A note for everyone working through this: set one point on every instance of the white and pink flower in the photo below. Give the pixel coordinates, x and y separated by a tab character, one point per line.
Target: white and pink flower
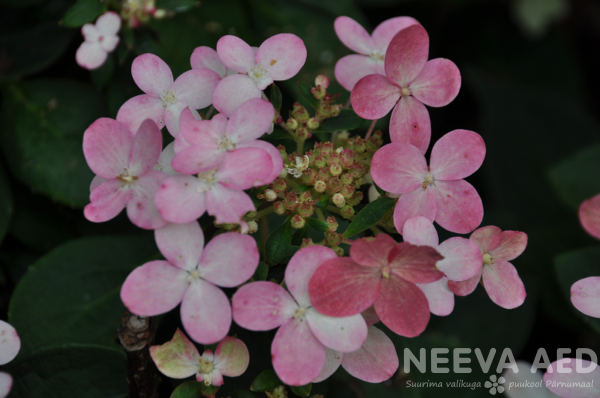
100	39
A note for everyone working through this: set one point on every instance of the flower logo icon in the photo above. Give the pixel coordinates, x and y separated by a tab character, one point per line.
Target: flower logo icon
494	384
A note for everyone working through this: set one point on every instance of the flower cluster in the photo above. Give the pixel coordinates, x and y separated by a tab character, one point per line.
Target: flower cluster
10	344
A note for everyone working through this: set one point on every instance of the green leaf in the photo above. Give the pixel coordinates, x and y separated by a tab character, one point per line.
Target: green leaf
6	203
571	180
379	190
317	224
278	243
244	394
276	97
69	371
45	121
82	12
322	202
188	389
261	272
72	293
346	120
307	95
102	75
302	391
209	391
369	216
302	188
265	381
176	5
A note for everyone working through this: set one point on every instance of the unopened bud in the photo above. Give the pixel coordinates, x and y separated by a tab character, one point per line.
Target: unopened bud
340	253
318	92
347	157
320	186
356	171
290	200
306	209
279	208
320	161
338	200
327	148
360	145
292	124
297	106
282	151
347	212
283	173
305	197
336	169
302	133
312	123
252	227
298	222
323	81
309	176
324	174
270	195
332	223
346	178
279	185
306	242
334	184
333	238
355	199
335	109
347	191
301	115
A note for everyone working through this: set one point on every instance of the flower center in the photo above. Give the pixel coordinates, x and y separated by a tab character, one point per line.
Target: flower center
377	57
192	276
126	177
168	98
428	181
301	165
226	144
206	368
487	259
405	92
299	314
257	72
385	272
101	39
208	178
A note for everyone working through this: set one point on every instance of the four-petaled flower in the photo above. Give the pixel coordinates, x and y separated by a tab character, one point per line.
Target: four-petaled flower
100	39
10	344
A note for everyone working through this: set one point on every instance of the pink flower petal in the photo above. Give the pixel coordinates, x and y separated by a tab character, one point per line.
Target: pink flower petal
96	181
107	201
399	168
151	74
420	202
585	296
282	56
370	316
206	57
467	287
345	334
301	268
297	355
177	358
198	131
154	288
353	35
106	146
420	231
416	264
503	284
589	215
109	43
251	120
141	209
573	384
236	54
90	55
205	312
172	115
458	206
6	382
276	159
410	123
90	32
146	148
372	252
10	343
462	259
402	307
438	83
243	167
228	205
351	68
340	287
231	357
198	158
508	245
108	23
181	244
181	199
385	31
333	361
139	108
457	155
374	96
229	259
262	306
375	361
440	298
484	236
195	87
233	91
407	55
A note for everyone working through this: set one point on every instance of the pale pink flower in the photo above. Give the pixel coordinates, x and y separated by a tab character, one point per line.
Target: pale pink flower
179	359
589	215
499	277
462	261
100	39
10	344
410	82
381	272
280	57
164	161
371	49
300	346
123	163
207	58
564	379
164	99
585	296
437	192
190	276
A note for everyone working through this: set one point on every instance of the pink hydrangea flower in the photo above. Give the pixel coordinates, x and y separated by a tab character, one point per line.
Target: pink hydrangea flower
211	140
164	99
300	346
123	163
100	39
280	57
499	277
410	82
190	276
206	57
10	344
585	296
437	192
564	379
371	49
381	272
462	261
589	215
179	359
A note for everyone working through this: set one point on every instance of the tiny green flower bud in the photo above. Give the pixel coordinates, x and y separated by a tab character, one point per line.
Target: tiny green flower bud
336	169
346	178
338	200
323	81
306	209
327	148
347	191
252	227
356	171
320	186
332	223
279	185
347	157
318	92
283	173
282	151
306	242
290	200
324	110
333	238
334	185
339	251
311	156
301	115
302	133
292	124
279	208
347	212
312	123
320	161
298	222
324	174
355	199
305	197
309	176
270	195
360	145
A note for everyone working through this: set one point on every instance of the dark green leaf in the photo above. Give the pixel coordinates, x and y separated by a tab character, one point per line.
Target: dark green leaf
317	224
300	234
276	98
302	188
279	135
82	12
244	394
102	75
346	120
307	95
265	381
369	216
261	272
6	203
188	389
322	202
176	5
379	190
278	243
302	391
290	253
209	391
72	293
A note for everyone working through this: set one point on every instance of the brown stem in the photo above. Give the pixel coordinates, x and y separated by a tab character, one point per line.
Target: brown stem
371	128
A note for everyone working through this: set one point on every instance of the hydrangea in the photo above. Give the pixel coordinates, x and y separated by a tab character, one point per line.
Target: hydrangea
589	215
100	39
10	344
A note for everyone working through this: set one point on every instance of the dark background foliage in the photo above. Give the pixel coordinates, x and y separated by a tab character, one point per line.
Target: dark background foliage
530	83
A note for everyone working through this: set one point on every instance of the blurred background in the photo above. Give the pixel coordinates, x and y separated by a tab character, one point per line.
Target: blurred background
530	88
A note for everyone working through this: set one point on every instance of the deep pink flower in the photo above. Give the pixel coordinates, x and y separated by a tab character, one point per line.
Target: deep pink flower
164	99
462	261
123	163
381	272
300	344
573	378
100	39
10	344
589	215
371	49
411	82
437	192
280	57
190	276
585	296
179	359
499	277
